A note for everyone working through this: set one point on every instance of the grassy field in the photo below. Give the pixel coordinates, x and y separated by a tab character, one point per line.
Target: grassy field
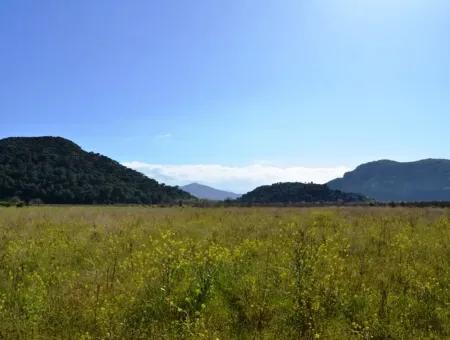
224	273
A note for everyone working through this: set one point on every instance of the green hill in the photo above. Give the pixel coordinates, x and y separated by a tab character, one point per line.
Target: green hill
298	193
56	170
425	180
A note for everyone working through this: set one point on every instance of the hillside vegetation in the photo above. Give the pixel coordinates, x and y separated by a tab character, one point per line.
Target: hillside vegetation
298	192
421	181
56	170
247	273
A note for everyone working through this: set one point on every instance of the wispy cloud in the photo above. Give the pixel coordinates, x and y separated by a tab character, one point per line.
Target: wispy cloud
163	136
237	179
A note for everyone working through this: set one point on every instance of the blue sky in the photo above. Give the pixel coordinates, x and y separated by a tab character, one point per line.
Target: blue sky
239	85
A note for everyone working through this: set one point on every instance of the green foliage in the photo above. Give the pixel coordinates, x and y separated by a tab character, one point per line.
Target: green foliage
224	273
55	170
14	202
297	193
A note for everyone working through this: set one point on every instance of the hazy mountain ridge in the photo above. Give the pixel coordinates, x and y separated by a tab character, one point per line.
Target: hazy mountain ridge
56	170
206	192
386	180
295	192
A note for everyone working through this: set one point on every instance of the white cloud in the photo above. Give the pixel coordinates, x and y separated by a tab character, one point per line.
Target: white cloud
237	179
163	136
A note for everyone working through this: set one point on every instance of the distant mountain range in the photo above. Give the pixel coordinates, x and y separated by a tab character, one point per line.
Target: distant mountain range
56	170
298	193
208	193
385	180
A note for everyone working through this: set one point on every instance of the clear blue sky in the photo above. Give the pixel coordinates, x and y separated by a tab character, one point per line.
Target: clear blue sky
305	83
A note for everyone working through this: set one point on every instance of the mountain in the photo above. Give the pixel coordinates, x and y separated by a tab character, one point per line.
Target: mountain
208	193
298	193
56	170
385	180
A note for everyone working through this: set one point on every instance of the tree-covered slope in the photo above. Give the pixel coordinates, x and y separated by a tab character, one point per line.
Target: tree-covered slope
56	170
426	180
296	193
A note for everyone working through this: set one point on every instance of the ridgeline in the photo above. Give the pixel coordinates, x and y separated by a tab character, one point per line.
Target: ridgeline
298	193
422	181
54	170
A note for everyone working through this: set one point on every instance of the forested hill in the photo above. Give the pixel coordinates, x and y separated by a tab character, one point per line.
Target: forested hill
56	170
385	180
297	193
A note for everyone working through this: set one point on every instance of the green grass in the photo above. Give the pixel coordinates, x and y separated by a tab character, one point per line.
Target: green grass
226	273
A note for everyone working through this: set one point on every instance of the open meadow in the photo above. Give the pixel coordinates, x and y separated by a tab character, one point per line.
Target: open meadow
224	273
